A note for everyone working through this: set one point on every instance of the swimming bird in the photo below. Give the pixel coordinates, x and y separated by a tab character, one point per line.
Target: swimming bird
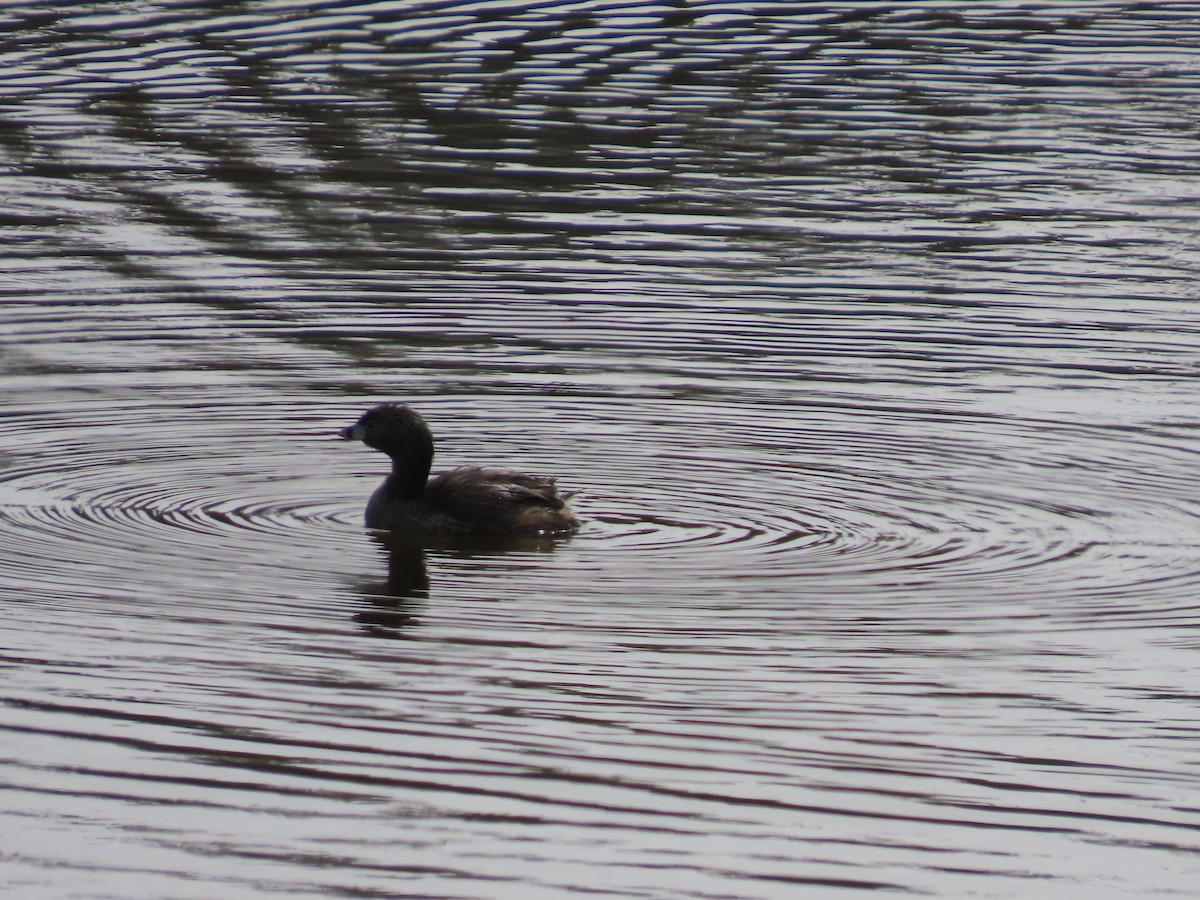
471	500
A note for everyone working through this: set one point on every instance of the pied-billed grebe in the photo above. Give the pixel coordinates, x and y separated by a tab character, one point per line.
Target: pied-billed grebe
472	500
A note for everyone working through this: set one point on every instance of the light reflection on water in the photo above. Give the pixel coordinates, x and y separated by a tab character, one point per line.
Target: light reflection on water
865	331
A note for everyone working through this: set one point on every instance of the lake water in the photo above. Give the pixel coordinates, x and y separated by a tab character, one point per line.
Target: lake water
868	331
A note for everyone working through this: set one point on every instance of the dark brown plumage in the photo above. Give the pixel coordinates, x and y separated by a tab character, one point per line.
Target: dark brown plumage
472	500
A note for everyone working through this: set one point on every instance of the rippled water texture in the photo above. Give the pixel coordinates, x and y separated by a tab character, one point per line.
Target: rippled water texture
868	332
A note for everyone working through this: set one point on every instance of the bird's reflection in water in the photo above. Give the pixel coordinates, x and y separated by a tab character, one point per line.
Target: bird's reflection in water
393	604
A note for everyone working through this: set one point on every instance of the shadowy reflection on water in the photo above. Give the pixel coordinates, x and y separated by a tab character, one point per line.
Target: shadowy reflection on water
394	604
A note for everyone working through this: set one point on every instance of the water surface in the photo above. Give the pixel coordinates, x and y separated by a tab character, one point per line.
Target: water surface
867	331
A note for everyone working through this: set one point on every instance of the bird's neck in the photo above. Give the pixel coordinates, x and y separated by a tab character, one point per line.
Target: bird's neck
409	476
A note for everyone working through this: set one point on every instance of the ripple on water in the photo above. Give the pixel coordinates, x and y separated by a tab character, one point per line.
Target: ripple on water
817	508
907	507
162	496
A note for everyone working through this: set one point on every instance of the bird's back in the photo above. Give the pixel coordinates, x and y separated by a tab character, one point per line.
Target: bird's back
476	500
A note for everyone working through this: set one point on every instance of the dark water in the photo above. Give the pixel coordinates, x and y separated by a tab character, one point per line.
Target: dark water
869	331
